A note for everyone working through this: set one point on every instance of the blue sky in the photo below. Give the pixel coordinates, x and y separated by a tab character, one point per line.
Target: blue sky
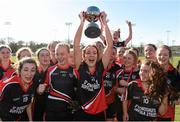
44	20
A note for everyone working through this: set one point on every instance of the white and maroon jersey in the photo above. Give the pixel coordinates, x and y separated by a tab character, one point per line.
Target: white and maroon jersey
127	76
62	83
14	98
91	89
141	108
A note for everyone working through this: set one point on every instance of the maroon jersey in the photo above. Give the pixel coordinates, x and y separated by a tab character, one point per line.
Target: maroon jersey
62	83
141	108
14	98
128	76
39	102
91	89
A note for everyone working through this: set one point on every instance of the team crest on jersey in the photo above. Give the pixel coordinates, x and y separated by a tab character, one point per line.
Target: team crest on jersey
134	77
93	78
70	75
39	81
107	75
113	75
168	81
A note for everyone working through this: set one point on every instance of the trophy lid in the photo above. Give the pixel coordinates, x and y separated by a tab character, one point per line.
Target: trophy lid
93	10
92	13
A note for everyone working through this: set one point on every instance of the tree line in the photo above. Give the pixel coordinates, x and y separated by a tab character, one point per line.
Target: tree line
16	45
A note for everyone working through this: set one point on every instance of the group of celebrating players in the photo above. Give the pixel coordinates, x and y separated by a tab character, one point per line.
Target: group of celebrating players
102	81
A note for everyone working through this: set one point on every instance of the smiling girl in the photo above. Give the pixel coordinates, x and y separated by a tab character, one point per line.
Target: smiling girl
125	75
90	84
6	68
147	96
16	93
43	57
163	57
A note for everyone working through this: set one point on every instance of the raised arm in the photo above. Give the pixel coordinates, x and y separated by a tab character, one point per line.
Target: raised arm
102	36
109	42
77	40
130	33
103	39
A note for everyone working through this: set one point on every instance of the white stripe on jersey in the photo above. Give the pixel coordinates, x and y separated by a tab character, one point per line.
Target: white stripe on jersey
125	98
57	98
89	104
50	75
119	72
61	93
52	85
134	81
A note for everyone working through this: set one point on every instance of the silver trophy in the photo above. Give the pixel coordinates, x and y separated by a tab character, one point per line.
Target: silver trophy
92	30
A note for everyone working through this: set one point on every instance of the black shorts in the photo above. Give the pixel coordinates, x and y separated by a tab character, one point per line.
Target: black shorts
163	119
58	116
80	115
119	109
111	111
7	117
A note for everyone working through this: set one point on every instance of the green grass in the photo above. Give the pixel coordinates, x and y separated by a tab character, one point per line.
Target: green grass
177	113
13	58
175	60
177	110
